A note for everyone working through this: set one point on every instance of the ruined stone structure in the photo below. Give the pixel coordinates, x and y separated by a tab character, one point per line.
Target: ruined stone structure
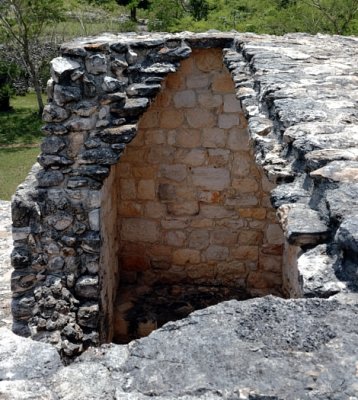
152	197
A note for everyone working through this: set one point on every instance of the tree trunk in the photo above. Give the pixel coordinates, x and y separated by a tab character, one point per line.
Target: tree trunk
134	14
34	78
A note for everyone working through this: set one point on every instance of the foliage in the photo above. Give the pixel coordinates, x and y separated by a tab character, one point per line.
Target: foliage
22	124
23	22
261	16
8	71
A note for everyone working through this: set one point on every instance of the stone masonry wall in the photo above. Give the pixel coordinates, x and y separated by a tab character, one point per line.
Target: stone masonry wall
298	93
193	207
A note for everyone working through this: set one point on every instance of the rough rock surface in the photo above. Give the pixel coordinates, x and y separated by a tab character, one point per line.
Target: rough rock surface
264	348
5	264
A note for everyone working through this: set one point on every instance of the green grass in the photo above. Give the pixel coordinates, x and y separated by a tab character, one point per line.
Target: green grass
22	124
15	164
20	136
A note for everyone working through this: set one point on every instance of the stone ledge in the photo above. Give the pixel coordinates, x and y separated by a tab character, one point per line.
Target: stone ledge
268	348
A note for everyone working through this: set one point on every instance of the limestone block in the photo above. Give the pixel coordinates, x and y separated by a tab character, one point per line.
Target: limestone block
245	185
167	192
210	197
209	100
187	138
243	252
175	81
231	104
215	211
159	252
174	172
250	237
154	209
197	81
263	279
223	237
202	223
143	171
199	239
255	213
209	60
223	83
270	263
129	209
218	157
227	121
238	139
171	119
194	157
184	99
182	209
175	238
228	273
216	253
127	189
146	189
154	136
241	165
184	256
242	200
157	154
214	138
139	229
149	120
211	178
200	118
274	234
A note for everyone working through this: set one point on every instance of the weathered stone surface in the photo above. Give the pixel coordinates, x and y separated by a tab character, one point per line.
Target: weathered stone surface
320	270
288	349
62	67
302	225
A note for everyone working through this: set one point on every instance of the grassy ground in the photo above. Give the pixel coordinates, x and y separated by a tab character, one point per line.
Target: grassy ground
20	136
15	164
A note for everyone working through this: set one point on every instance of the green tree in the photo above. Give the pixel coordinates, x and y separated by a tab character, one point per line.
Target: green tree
133	6
336	16
8	71
23	22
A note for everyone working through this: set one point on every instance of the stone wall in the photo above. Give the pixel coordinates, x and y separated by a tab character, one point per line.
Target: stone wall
301	123
193	207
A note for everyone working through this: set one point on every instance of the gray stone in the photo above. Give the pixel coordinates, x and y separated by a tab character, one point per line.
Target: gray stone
62	67
87	287
52	145
302	225
49	178
347	234
65	94
318	268
288	349
53	113
112	85
96	64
